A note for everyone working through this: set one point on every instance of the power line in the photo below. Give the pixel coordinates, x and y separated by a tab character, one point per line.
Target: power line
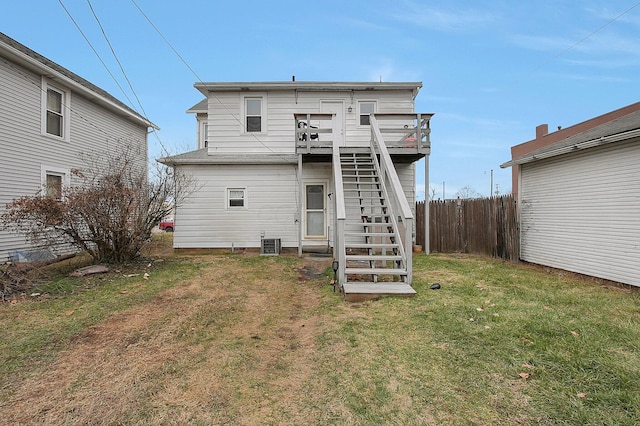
166	41
113	52
553	58
95	51
573	46
235	117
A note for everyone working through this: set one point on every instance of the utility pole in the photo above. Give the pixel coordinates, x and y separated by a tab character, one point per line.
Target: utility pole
443	197
491	187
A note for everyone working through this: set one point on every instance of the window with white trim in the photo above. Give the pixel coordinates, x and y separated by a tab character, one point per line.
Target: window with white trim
54	181
366	109
236	198
253	114
204	130
55	112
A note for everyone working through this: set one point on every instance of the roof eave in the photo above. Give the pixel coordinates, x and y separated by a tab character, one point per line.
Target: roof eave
554	152
206	87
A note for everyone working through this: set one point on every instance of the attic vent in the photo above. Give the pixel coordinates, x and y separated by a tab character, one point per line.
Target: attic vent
270	246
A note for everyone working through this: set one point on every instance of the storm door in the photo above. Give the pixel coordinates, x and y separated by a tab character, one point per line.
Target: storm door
315	211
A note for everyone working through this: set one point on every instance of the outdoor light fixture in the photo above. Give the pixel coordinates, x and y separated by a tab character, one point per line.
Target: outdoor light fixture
350	109
334	266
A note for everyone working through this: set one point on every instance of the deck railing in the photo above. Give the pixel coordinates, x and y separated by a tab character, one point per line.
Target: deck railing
408	131
400	211
405	133
310	135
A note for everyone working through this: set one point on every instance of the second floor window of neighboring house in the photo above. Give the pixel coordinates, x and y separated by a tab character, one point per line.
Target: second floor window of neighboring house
253	113
55	111
55	119
366	109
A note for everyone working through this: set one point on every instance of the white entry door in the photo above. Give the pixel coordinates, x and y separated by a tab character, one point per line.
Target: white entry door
337	108
315	211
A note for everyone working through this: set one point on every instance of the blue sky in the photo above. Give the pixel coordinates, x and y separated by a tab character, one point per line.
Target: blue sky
491	71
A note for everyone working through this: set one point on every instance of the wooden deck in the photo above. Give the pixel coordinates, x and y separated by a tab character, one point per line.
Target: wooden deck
360	291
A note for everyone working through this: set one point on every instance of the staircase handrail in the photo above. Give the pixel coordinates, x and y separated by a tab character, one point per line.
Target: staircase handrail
341	212
388	170
378	144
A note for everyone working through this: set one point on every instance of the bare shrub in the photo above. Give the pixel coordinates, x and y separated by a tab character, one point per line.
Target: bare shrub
109	211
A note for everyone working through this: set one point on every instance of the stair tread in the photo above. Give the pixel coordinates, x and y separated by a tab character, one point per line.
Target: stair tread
365	245
372	234
360	222
362	198
358	163
381	288
376	271
347	181
373	257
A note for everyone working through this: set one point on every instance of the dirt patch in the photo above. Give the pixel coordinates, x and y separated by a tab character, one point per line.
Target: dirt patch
180	358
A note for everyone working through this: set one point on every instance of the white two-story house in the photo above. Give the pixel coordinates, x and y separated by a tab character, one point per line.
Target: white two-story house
312	166
49	119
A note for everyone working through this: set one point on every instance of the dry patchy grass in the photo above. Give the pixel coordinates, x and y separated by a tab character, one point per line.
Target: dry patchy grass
244	339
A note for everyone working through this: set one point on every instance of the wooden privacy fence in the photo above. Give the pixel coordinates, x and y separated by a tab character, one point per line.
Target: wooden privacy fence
483	226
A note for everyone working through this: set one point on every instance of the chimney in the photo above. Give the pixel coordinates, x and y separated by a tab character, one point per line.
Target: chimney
542	130
293	78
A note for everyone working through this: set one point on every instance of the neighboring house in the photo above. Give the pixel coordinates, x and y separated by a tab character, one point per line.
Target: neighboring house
578	191
49	118
313	166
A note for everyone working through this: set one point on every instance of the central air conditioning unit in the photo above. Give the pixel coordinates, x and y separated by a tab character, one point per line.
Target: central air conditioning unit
270	246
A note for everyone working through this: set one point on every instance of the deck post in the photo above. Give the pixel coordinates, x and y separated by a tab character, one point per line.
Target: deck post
425	244
300	198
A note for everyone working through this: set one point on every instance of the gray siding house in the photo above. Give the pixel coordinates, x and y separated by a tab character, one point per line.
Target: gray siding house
49	118
309	166
578	193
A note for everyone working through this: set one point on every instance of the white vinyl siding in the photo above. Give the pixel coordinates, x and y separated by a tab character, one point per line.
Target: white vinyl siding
227	114
581	212
204	221
25	148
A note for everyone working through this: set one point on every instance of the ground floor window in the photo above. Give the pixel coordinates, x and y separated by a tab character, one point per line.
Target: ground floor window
54	180
236	198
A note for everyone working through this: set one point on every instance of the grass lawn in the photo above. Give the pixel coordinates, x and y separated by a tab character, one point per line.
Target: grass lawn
242	339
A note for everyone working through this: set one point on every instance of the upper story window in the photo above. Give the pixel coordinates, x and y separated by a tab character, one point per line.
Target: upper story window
55	119
203	131
253	114
366	109
55	111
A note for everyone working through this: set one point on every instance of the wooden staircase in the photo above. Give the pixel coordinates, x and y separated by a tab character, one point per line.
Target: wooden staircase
376	263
